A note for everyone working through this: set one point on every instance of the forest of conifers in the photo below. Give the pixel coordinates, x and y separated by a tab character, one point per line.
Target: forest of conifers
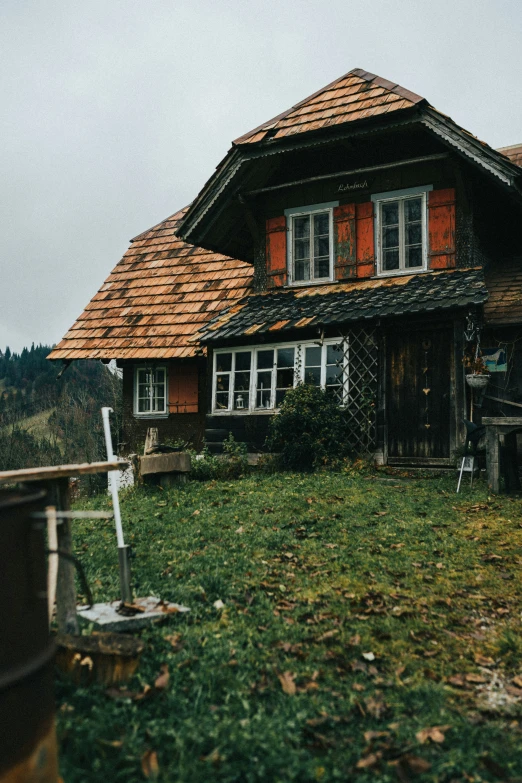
46	420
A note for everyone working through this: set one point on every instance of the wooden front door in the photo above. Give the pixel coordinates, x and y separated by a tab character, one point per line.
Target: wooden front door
418	399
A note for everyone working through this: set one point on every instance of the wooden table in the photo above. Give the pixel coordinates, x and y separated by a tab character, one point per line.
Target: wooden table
500	428
55	479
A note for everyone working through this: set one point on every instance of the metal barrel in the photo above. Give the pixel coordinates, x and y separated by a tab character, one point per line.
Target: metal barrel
27	730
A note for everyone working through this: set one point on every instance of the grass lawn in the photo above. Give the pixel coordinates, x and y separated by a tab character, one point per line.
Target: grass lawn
370	631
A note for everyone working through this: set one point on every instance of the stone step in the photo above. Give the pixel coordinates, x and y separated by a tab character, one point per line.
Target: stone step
215	435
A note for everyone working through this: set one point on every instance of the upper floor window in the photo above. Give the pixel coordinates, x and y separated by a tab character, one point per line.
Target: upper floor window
310	243
401	230
150	391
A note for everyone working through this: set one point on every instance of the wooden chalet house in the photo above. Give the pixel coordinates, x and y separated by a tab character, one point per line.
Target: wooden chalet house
358	241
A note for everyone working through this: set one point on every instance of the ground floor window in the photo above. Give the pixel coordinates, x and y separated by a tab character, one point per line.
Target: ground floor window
257	379
150	391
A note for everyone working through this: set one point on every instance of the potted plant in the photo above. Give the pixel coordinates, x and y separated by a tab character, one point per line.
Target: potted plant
477	375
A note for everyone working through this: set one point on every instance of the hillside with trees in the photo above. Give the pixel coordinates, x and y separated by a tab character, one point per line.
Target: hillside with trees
46	419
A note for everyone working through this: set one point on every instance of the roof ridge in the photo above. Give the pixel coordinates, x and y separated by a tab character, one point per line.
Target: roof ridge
177	215
360	73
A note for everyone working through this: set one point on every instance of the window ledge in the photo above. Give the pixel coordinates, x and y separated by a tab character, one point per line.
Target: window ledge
150	415
247	412
403	272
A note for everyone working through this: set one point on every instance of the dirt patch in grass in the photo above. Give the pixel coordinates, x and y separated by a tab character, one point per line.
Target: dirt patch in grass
341	629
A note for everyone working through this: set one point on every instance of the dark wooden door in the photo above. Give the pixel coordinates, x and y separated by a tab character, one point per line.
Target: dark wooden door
418	399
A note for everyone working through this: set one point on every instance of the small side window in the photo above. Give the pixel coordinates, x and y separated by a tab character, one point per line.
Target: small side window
150	391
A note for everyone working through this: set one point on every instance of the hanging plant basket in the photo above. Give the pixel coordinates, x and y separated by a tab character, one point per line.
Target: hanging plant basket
477	381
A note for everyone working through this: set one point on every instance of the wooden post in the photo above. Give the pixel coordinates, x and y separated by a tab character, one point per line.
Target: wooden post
66	619
55	479
151	440
493	458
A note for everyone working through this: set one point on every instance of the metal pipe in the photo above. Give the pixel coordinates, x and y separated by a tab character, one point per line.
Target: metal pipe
123	550
124	555
114	488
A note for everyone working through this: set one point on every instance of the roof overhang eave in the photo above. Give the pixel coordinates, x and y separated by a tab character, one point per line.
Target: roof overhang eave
472	149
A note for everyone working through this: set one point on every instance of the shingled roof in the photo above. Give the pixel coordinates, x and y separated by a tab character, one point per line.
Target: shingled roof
357	95
504	281
514	153
155	300
348	303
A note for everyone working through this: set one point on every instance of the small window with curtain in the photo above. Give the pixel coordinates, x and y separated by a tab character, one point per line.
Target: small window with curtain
401	230
150	391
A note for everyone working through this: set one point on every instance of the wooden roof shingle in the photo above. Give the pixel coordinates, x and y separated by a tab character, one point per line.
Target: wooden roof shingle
356	95
156	300
504	281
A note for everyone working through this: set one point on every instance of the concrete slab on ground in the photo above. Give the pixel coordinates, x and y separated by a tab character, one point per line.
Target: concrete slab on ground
176	462
148	611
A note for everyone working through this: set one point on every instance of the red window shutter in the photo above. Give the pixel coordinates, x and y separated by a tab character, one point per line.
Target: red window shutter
183	388
344	238
365	241
276	252
441	224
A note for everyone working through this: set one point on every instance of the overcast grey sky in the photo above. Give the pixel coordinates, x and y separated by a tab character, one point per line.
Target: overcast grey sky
115	112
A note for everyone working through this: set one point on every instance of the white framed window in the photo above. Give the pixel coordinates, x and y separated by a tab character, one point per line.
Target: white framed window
256	379
401	230
310	243
150	391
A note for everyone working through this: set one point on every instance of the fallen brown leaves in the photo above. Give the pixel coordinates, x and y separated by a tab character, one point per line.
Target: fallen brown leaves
369	761
163	606
149	764
160	684
369	736
410	765
463	680
175	641
292	649
287	683
484	660
435	734
375	706
162	681
328	635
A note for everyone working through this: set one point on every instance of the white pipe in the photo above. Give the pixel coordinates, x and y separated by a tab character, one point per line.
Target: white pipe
52	572
114	486
107	430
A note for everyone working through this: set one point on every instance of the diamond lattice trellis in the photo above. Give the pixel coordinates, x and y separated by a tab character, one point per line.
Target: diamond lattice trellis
358	394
